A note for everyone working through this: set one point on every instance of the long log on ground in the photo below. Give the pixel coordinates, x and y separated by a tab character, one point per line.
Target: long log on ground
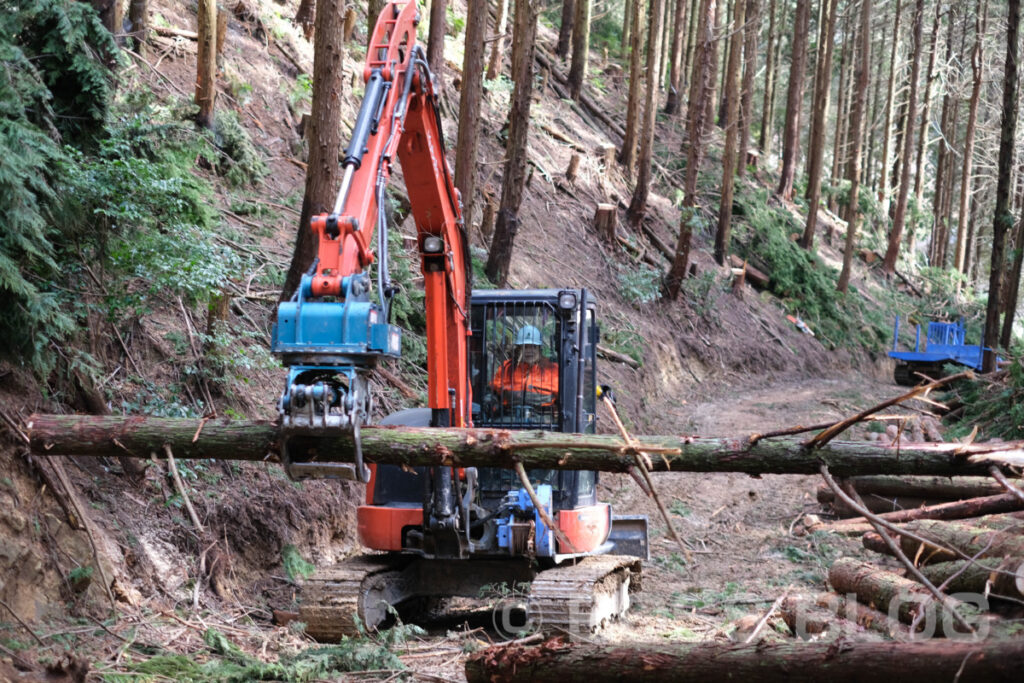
920	487
258	440
994	577
895	595
961	509
880	504
970	540
932	660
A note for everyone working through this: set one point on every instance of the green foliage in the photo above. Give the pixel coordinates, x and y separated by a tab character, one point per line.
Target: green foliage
640	285
408	308
150	401
995	407
53	83
64	50
867	205
229	664
606	28
302	91
804	283
700	292
232	357
238	160
624	339
295	566
135	208
456	24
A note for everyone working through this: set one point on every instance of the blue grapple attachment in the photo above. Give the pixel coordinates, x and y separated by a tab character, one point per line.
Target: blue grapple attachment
328	347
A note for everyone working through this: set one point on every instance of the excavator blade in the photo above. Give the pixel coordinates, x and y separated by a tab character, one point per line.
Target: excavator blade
629	536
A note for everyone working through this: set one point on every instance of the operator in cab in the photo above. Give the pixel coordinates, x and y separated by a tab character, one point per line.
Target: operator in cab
528	379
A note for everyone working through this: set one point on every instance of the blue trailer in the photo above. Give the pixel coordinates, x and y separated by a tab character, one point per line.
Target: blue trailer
943	344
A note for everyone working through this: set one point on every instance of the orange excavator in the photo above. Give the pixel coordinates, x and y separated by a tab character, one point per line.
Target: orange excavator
442	531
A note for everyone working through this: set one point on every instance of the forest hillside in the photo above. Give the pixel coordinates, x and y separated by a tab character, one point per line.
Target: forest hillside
159	161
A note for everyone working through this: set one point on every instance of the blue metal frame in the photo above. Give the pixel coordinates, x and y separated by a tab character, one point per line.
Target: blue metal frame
944	343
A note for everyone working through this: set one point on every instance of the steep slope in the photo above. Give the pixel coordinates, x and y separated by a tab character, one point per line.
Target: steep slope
722	360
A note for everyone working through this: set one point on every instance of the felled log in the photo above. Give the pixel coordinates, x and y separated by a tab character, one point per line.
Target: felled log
962	509
874	541
928	661
1002	578
258	440
1012	522
920	487
873	501
891	593
968	539
808	615
616	357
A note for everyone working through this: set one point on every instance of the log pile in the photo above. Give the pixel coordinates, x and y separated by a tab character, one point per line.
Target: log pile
960	564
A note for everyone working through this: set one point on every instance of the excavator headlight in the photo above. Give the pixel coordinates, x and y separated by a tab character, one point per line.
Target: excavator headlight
432	245
567	301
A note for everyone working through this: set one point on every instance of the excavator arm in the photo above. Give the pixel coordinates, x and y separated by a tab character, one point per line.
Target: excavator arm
330	334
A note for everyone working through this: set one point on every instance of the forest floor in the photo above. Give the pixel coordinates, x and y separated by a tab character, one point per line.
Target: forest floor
744	540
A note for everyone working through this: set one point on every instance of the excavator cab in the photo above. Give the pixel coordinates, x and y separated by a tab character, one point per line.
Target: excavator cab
532	366
532	358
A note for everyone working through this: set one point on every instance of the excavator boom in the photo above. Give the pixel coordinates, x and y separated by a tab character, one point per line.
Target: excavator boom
330	334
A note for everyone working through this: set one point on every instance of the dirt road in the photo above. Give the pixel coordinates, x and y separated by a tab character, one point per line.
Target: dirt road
741	551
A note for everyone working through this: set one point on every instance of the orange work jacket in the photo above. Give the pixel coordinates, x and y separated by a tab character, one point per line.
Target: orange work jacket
535	385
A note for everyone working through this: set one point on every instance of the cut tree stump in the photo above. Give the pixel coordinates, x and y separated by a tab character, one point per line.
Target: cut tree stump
571	170
756	277
606	221
258	439
933	660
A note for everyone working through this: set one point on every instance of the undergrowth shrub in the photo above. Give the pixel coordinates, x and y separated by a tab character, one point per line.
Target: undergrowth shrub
228	663
97	195
994	404
53	83
238	160
135	209
805	284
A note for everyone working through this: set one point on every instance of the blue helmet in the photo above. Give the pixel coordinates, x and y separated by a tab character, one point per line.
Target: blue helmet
528	335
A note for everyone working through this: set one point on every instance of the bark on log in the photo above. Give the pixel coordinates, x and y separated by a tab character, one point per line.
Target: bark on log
924	487
897	596
605	223
968	539
990	660
808	615
873	541
961	509
256	439
994	577
862	615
